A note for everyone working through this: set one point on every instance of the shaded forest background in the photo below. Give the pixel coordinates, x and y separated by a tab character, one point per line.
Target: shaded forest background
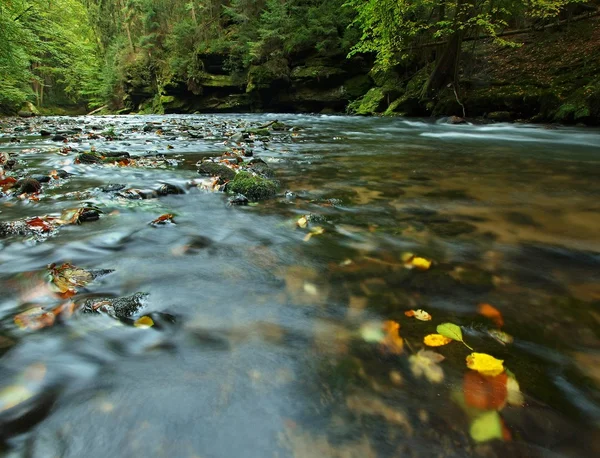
503	59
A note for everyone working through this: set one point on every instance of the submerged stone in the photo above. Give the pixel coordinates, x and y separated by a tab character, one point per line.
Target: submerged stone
452	228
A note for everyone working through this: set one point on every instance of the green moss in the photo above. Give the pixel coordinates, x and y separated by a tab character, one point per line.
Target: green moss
372	102
253	187
262	76
209	80
316	72
358	86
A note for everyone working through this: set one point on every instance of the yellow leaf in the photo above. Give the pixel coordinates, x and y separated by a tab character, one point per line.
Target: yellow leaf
436	340
407	257
421	263
419	314
425	364
485	364
144	322
302	222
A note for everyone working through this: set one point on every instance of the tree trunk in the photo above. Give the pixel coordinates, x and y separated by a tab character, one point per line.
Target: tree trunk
446	67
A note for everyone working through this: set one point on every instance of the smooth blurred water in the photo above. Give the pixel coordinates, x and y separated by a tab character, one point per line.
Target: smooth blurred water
261	354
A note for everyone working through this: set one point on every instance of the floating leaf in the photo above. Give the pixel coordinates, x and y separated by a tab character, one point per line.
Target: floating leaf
144	322
501	336
425	364
436	340
392	341
487	427
485	364
302	222
40	224
421	263
419	314
514	396
492	313
483	392
34	319
317	230
451	331
372	332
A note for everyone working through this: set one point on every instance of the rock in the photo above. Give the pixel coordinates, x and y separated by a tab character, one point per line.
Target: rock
261	167
455	120
45	133
148	128
41	178
123	307
28	185
63	173
87	158
28	110
89	214
253	187
374	101
167	189
216	170
237	137
259	132
112	187
238	199
59	138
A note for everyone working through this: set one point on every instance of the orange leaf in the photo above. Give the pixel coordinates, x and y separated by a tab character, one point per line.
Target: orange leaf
39	224
393	342
492	313
485	392
419	314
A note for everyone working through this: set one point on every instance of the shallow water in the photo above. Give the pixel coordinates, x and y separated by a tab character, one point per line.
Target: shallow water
259	346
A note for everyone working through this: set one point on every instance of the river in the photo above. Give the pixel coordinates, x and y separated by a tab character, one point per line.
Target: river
279	329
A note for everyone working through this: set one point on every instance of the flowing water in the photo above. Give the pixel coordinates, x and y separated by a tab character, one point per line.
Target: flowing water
268	342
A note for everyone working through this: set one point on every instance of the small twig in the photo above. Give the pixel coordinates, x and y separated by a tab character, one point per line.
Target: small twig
269	124
458	100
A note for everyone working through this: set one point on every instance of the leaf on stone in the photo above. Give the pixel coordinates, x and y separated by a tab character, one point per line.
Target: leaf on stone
42	224
436	340
485	364
67	278
419	314
492	313
486	427
451	331
411	261
144	322
426	364
167	218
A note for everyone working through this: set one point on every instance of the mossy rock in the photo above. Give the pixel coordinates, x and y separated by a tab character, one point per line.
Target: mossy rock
262	76
210	80
259	132
216	170
372	102
253	187
307	73
28	110
358	86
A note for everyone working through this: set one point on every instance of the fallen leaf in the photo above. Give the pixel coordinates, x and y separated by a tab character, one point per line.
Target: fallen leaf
492	313
425	364
421	263
34	319
436	340
392	341
67	277
317	230
302	222
514	396
419	314
163	219
487	427
485	364
144	322
41	224
451	331
501	336
484	392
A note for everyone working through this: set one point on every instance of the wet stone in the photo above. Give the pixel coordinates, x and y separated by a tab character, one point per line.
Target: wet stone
167	189
59	138
86	158
28	185
451	229
112	187
216	170
123	307
238	199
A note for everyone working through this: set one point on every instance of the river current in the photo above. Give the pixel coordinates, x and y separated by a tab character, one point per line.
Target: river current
279	329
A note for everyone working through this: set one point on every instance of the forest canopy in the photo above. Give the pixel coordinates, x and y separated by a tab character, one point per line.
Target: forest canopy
87	52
